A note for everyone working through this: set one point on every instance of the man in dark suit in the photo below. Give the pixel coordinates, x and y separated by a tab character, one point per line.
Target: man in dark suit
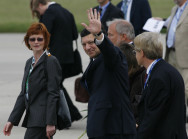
61	25
108	12
137	12
106	79
162	106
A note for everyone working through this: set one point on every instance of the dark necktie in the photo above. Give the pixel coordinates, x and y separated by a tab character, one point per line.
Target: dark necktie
100	10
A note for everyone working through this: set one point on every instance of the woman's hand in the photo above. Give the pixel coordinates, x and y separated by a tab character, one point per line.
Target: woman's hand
50	131
7	129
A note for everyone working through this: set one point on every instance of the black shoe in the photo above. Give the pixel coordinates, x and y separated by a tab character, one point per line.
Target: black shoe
76	117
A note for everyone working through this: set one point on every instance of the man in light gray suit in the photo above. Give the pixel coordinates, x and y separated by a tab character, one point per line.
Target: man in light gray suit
177	44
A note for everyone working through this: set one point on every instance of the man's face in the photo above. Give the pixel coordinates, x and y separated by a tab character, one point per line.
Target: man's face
113	35
179	2
102	1
89	46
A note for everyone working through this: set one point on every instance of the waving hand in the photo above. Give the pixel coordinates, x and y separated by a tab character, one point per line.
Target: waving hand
94	21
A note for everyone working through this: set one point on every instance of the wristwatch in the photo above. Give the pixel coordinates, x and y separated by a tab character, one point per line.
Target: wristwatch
97	35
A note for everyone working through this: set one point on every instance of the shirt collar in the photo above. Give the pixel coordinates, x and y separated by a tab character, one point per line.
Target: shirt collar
148	69
105	6
33	60
128	1
53	2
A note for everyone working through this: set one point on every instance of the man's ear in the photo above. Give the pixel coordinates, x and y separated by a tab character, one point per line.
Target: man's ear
124	37
142	53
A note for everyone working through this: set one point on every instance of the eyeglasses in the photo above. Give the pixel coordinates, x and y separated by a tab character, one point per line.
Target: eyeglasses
34	39
137	49
90	43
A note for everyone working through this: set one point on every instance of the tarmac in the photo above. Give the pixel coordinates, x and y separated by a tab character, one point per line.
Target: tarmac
13	55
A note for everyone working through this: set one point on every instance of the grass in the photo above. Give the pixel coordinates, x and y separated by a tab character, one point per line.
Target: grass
15	15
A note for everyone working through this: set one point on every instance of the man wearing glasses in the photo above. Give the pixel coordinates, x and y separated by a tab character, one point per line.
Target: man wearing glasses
162	106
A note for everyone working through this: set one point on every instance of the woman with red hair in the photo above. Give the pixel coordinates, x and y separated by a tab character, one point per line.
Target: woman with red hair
40	88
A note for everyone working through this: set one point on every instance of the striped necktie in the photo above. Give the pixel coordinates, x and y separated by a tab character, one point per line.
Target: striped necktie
124	8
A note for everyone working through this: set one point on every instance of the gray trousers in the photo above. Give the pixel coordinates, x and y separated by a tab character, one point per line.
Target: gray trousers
36	133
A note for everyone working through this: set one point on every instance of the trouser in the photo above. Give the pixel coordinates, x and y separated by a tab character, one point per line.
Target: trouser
36	133
183	71
118	136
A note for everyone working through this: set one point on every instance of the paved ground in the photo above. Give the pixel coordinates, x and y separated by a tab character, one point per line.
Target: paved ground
13	55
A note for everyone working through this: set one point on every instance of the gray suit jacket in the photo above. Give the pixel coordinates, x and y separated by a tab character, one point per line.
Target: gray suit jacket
181	43
43	96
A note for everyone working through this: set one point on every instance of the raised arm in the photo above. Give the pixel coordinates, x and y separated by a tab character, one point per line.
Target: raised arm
110	52
94	23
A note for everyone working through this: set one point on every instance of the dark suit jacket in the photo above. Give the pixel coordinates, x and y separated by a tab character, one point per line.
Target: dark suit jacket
111	13
109	109
61	25
140	12
43	96
162	107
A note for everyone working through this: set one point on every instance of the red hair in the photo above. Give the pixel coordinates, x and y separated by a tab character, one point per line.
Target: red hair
35	29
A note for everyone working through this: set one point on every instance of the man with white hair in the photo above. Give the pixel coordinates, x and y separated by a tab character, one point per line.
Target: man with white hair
162	106
120	31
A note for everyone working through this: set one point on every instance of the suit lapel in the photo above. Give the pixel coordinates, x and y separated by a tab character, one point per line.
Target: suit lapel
36	69
84	77
39	62
183	16
105	16
89	71
133	9
88	67
144	91
27	68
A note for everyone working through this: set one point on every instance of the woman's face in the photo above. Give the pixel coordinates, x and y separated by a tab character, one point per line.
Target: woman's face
36	42
41	9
